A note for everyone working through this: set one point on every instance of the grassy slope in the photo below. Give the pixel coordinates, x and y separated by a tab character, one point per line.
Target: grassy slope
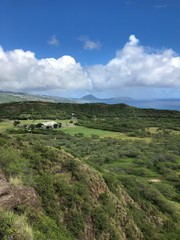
115	201
67	188
81	110
7	98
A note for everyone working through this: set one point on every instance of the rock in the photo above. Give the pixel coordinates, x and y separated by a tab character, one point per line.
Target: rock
12	196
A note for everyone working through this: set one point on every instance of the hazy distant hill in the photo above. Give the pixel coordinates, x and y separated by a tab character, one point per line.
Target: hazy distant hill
169	104
92	99
166	104
6	97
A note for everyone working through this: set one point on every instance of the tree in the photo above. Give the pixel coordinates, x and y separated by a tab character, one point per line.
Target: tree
16	122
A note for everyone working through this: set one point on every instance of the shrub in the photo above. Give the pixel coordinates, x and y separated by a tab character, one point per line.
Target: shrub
76	223
14	227
100	220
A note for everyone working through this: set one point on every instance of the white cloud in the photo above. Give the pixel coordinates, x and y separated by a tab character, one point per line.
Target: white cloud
133	66
53	41
133	40
20	70
89	44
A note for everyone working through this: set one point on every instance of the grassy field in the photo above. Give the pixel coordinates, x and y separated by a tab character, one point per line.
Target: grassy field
6	125
88	132
72	129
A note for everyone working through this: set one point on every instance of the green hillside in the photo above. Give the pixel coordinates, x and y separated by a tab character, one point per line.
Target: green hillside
6	98
10	97
112	175
118	117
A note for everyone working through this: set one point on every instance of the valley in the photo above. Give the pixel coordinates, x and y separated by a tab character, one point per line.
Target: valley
113	174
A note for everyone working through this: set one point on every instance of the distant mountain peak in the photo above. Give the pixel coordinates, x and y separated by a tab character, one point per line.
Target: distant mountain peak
89	97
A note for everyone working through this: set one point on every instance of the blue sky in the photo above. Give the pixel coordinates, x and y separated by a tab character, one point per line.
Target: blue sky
105	47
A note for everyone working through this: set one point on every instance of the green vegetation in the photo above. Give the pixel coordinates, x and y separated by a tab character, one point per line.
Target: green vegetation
6	98
112	175
90	132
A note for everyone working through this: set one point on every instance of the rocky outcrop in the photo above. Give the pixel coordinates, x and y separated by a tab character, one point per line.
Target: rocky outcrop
89	230
12	196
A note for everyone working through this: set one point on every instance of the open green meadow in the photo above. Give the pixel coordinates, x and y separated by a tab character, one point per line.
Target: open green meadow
73	129
88	132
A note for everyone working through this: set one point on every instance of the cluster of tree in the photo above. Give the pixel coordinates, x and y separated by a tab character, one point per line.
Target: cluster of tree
50	125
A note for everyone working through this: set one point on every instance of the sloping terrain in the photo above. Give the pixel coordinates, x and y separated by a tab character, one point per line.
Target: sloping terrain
72	194
59	186
8	97
118	117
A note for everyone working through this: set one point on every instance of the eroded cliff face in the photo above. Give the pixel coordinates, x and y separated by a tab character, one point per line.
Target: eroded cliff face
12	196
75	172
102	200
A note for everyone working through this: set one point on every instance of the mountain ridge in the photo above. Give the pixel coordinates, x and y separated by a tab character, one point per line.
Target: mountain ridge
165	104
112	100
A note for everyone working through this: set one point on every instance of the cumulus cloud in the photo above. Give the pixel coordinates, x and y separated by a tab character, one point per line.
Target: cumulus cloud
20	70
89	44
133	40
133	66
53	41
